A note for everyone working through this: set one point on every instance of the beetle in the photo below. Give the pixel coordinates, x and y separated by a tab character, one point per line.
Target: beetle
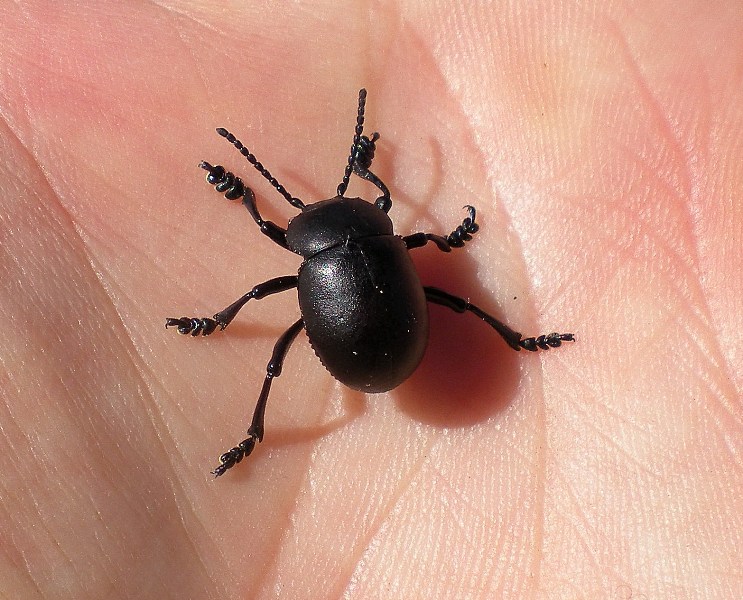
362	304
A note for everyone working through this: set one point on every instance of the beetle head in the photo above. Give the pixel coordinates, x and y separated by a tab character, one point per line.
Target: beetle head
329	223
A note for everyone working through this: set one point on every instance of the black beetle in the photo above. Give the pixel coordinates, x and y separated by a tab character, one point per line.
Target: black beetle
362	304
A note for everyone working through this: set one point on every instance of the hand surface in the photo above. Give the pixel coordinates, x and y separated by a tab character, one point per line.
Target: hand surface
602	149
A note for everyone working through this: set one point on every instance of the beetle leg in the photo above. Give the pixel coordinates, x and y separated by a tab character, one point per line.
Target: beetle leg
268	228
455	239
225	182
363	158
512	338
384	202
206	325
416	240
463	233
255	432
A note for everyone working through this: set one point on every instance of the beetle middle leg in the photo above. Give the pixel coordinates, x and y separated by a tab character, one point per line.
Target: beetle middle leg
455	239
207	325
255	432
513	338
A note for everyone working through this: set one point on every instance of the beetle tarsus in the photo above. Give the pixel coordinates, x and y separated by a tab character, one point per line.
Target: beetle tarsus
545	342
195	325
234	455
363	157
224	181
455	239
364	154
463	233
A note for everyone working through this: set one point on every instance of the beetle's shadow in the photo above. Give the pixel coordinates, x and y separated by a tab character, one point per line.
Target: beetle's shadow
354	406
468	372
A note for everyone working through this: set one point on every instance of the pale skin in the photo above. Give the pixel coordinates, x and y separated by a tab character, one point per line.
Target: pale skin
602	148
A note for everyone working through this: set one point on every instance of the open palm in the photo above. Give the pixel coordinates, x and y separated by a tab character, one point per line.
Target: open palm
602	149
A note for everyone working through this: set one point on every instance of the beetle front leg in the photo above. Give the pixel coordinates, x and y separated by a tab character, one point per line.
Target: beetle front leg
455	239
233	188
255	432
513	338
207	325
360	159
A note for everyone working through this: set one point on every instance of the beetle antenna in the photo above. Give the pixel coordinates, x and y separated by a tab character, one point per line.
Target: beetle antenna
296	202
355	145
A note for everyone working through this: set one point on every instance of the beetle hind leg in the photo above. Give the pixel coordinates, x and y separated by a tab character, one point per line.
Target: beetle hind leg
255	432
513	338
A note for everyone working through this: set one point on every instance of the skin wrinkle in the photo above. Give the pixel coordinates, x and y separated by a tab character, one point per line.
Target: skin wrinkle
54	542
487	574
543	441
190	17
626	453
517	249
269	574
642	86
85	250
665	247
465	500
581	528
585	543
686	198
61	380
159	426
569	491
196	64
366	543
502	540
672	323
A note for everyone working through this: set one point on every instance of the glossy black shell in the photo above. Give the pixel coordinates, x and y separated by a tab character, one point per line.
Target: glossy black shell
363	306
